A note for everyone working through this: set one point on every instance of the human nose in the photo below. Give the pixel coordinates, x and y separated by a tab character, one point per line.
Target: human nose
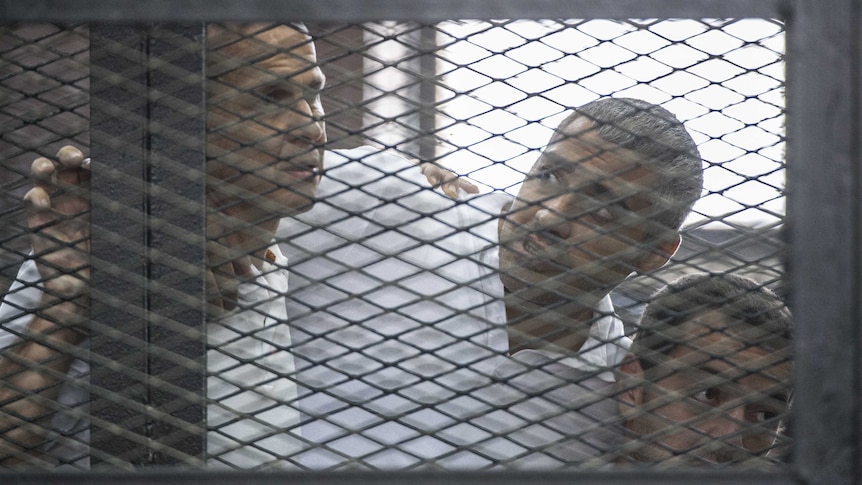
301	126
551	218
727	427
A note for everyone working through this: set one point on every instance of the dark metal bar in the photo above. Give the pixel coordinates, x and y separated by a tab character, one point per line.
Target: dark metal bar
177	211
353	11
824	210
148	344
415	478
427	93
119	236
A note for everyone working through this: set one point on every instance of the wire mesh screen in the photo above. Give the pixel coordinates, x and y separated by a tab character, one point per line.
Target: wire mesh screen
467	245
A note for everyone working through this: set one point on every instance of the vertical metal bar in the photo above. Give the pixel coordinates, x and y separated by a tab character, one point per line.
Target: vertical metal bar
119	238
177	211
823	204
147	345
427	93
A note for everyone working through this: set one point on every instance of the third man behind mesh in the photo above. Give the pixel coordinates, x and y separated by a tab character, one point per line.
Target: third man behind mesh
707	382
401	298
708	378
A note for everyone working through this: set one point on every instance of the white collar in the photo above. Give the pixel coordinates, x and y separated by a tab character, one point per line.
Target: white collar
605	347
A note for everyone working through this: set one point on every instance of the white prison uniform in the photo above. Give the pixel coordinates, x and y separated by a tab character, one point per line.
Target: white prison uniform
397	312
68	441
604	349
264	411
544	414
545	409
252	412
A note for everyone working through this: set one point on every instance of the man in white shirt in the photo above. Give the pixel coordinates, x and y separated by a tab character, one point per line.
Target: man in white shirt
265	138
404	303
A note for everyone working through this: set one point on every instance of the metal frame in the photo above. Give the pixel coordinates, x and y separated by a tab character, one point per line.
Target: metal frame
825	216
148	281
353	11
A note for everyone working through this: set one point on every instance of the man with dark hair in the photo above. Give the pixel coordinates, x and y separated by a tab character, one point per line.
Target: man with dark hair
408	313
605	199
406	302
708	381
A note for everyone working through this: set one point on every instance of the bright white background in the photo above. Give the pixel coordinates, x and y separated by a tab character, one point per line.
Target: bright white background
508	85
503	86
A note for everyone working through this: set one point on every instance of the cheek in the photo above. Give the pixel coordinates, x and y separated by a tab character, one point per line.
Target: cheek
251	133
760	440
671	415
521	213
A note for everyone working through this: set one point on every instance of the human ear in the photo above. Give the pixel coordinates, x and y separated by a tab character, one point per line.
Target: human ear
630	381
659	254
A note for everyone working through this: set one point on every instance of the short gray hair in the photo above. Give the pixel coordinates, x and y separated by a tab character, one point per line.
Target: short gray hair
659	136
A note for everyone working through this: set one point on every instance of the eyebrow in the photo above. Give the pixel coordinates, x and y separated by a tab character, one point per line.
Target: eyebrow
782	395
315	83
597	188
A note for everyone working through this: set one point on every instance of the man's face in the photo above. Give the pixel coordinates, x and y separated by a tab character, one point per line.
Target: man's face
578	218
716	401
265	122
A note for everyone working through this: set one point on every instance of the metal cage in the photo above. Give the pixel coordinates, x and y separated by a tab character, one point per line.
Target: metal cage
147	125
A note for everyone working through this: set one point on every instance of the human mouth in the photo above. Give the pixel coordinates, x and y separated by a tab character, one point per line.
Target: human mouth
533	245
533	251
303	171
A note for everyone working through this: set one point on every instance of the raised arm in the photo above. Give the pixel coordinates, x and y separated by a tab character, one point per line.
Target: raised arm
32	370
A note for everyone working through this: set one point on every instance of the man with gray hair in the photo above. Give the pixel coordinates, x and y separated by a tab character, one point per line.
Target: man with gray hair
265	148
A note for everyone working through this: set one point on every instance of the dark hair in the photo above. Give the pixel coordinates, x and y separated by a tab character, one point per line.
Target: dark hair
739	298
661	138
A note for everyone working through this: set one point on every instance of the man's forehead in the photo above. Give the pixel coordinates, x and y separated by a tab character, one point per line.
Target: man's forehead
579	140
579	150
717	340
257	56
578	125
257	42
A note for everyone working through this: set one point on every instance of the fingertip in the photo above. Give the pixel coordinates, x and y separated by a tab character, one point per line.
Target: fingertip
469	187
70	156
449	190
37	198
42	168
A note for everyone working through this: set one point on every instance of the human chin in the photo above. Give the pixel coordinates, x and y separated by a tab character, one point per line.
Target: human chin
298	198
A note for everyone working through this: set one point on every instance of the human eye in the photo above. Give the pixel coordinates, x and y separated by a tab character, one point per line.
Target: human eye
276	95
545	175
710	396
762	415
606	208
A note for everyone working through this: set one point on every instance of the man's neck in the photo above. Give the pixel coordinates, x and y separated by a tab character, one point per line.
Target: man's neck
246	242
564	325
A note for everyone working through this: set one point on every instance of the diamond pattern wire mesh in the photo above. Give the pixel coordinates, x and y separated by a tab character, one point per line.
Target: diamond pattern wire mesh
390	353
